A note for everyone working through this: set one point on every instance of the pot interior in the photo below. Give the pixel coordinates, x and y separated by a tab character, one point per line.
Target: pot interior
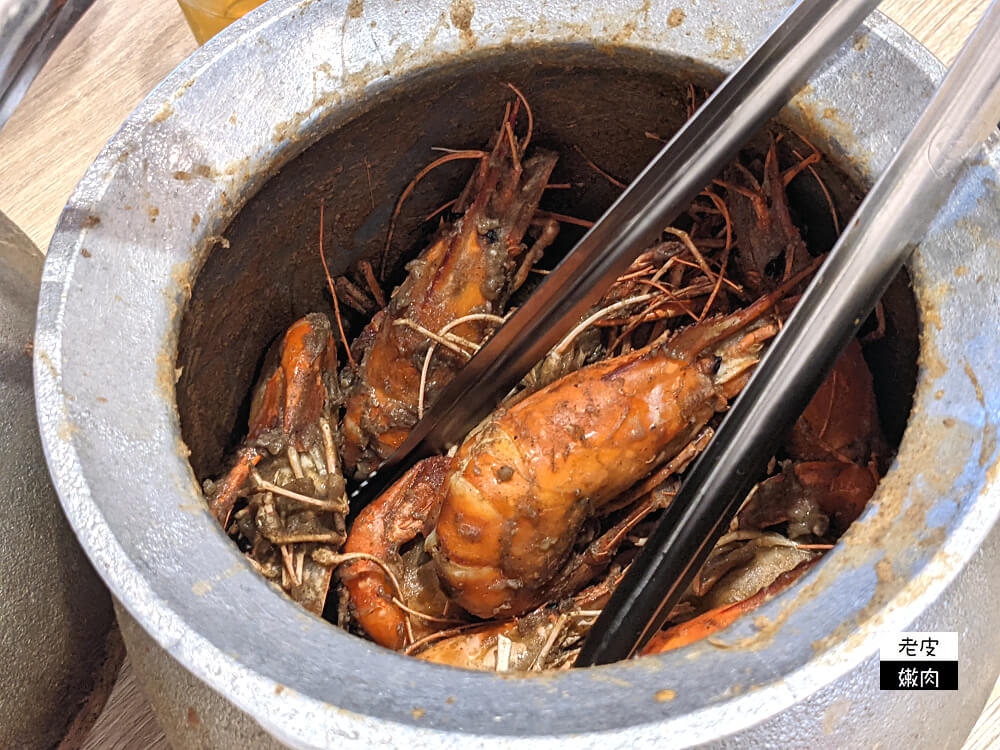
611	110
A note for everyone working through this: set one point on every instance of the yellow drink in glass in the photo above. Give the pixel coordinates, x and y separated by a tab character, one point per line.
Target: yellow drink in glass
208	17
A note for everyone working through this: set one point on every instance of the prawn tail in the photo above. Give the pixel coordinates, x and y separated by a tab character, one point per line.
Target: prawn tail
716	619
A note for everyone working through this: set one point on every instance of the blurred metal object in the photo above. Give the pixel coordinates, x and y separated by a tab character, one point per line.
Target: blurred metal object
30	30
59	646
221	150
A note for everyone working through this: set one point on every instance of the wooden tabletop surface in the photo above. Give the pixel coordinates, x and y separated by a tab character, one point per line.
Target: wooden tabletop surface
116	54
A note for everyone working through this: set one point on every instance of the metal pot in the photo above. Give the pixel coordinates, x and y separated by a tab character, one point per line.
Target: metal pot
192	241
59	647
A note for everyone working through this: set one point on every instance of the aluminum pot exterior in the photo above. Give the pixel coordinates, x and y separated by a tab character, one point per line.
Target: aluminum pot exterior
848	712
59	647
153	206
191	714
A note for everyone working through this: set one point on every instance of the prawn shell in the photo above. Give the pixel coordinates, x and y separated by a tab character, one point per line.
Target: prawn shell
404	511
524	484
479	648
291	401
842	490
841	421
474	650
468	268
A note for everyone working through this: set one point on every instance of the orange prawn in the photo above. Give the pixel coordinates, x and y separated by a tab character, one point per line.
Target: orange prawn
519	488
841	422
288	469
288	406
834	447
408	509
466	274
525	643
716	619
523	484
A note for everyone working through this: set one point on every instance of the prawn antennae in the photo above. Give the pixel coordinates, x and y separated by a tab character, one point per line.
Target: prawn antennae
450	156
333	291
527	110
616	182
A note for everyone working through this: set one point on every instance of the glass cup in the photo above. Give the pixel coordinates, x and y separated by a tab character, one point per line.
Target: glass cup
208	17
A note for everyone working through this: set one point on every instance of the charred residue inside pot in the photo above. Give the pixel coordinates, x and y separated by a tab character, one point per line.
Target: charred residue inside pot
247	296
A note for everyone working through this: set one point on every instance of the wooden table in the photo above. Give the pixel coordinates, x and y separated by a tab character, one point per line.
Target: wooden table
114	56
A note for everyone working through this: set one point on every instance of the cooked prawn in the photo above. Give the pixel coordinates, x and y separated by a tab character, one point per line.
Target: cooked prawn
288	469
468	272
522	484
407	510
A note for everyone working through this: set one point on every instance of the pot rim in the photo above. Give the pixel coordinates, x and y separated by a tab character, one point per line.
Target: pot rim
135	279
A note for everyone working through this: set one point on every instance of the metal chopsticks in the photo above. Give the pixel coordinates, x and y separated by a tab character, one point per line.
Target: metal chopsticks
750	96
893	217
